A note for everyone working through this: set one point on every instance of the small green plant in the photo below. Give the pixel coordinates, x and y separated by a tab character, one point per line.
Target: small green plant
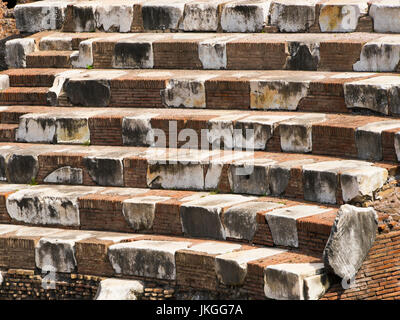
89	67
86	143
214	192
33	182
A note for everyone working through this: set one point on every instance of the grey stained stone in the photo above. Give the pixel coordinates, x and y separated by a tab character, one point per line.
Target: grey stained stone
351	238
65	175
134	54
16	51
302	56
137	131
105	171
162	17
22	168
79	18
88	93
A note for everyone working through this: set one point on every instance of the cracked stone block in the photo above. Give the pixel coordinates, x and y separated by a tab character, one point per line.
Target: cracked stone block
341	16
321	179
277	94
283	223
65	175
46	206
293	15
57	88
162	16
114	18
296	133
362	182
286	281
201	16
381	55
133	54
137	130
251	16
240	221
386	16
202	218
146	258
39	16
17	50
302	56
119	289
105	171
369	139
351	238
231	267
250	176
4	81
80	18
380	94
185	93
56	43
279	175
56	253
139	212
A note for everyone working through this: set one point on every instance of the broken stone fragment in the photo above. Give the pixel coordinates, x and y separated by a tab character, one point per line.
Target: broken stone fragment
202	217
146	258
369	139
88	93
240	221
293	15
287	281
283	223
22	168
231	267
139	212
251	16
296	133
65	175
351	238
119	289
56	253
85	56
380	94
17	50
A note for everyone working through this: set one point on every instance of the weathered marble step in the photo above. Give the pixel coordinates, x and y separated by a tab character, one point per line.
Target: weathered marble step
258	220
199	264
355	136
219	89
24	95
210	16
314	178
264	51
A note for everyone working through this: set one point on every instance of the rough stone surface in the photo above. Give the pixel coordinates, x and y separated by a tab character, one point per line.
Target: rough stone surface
137	130
283	223
341	16
146	258
105	171
231	267
118	289
385	15
65	175
352	236
286	281
16	51
316	286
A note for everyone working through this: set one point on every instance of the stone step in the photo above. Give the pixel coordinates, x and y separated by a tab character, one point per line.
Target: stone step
314	178
264	220
256	90
185	262
371	52
49	59
211	16
24	95
355	136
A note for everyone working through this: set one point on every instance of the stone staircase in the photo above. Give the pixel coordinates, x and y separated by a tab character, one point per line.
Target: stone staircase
224	149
